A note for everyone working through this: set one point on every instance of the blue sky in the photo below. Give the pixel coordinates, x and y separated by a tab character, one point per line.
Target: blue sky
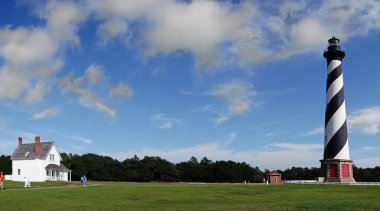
230	80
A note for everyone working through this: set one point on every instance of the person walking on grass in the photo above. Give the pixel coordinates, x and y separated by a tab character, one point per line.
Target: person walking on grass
2	181
83	179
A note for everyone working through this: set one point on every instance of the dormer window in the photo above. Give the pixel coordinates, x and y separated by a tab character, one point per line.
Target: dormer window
51	157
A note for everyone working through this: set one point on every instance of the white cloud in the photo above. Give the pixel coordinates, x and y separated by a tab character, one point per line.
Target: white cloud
369	162
89	100
81	139
47	113
269	135
37	93
19	46
369	148
220	118
365	120
164	121
86	97
238	96
94	74
111	29
183	92
275	156
316	131
195	27
23	69
50	69
122	91
231	138
173	26
10	87
63	18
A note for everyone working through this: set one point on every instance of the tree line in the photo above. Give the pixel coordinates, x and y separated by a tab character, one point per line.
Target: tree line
154	168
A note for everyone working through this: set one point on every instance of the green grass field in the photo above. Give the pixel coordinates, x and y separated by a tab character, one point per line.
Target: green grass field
182	196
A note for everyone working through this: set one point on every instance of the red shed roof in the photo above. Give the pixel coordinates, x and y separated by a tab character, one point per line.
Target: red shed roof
273	173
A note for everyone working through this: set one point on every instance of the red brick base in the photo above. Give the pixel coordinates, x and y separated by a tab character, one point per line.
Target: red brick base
337	170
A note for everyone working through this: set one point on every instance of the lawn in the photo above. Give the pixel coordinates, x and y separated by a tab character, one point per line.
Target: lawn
182	196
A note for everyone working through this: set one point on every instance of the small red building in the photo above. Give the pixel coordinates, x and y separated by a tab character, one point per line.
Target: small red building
273	177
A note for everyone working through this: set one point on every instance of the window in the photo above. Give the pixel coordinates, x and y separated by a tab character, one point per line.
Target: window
19	171
51	157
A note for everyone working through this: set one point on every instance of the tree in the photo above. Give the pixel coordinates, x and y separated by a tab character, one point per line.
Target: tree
95	167
190	170
160	169
298	173
207	167
130	169
6	164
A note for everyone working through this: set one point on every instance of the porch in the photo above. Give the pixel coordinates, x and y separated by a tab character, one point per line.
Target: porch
57	173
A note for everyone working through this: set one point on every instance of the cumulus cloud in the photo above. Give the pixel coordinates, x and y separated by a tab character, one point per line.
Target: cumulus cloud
365	120
47	113
111	29
164	121
173	26
63	18
290	28
167	27
23	68
9	84
76	85
238	96
36	94
249	33
275	156
122	91
94	74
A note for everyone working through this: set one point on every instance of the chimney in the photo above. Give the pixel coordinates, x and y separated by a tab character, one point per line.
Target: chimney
19	140
37	146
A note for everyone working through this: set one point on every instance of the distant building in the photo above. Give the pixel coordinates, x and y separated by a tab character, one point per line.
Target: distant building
38	162
273	177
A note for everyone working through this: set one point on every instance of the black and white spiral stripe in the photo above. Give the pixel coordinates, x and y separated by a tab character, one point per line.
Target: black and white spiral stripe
336	142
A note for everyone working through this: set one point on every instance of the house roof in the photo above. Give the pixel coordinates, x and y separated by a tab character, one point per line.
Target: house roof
61	167
26	151
273	173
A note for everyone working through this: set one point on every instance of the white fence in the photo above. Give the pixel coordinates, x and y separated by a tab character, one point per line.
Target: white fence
315	182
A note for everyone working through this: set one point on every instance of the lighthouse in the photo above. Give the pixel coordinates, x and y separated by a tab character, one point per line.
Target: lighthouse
336	165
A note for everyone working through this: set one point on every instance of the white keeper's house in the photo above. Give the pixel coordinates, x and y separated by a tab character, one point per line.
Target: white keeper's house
38	162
